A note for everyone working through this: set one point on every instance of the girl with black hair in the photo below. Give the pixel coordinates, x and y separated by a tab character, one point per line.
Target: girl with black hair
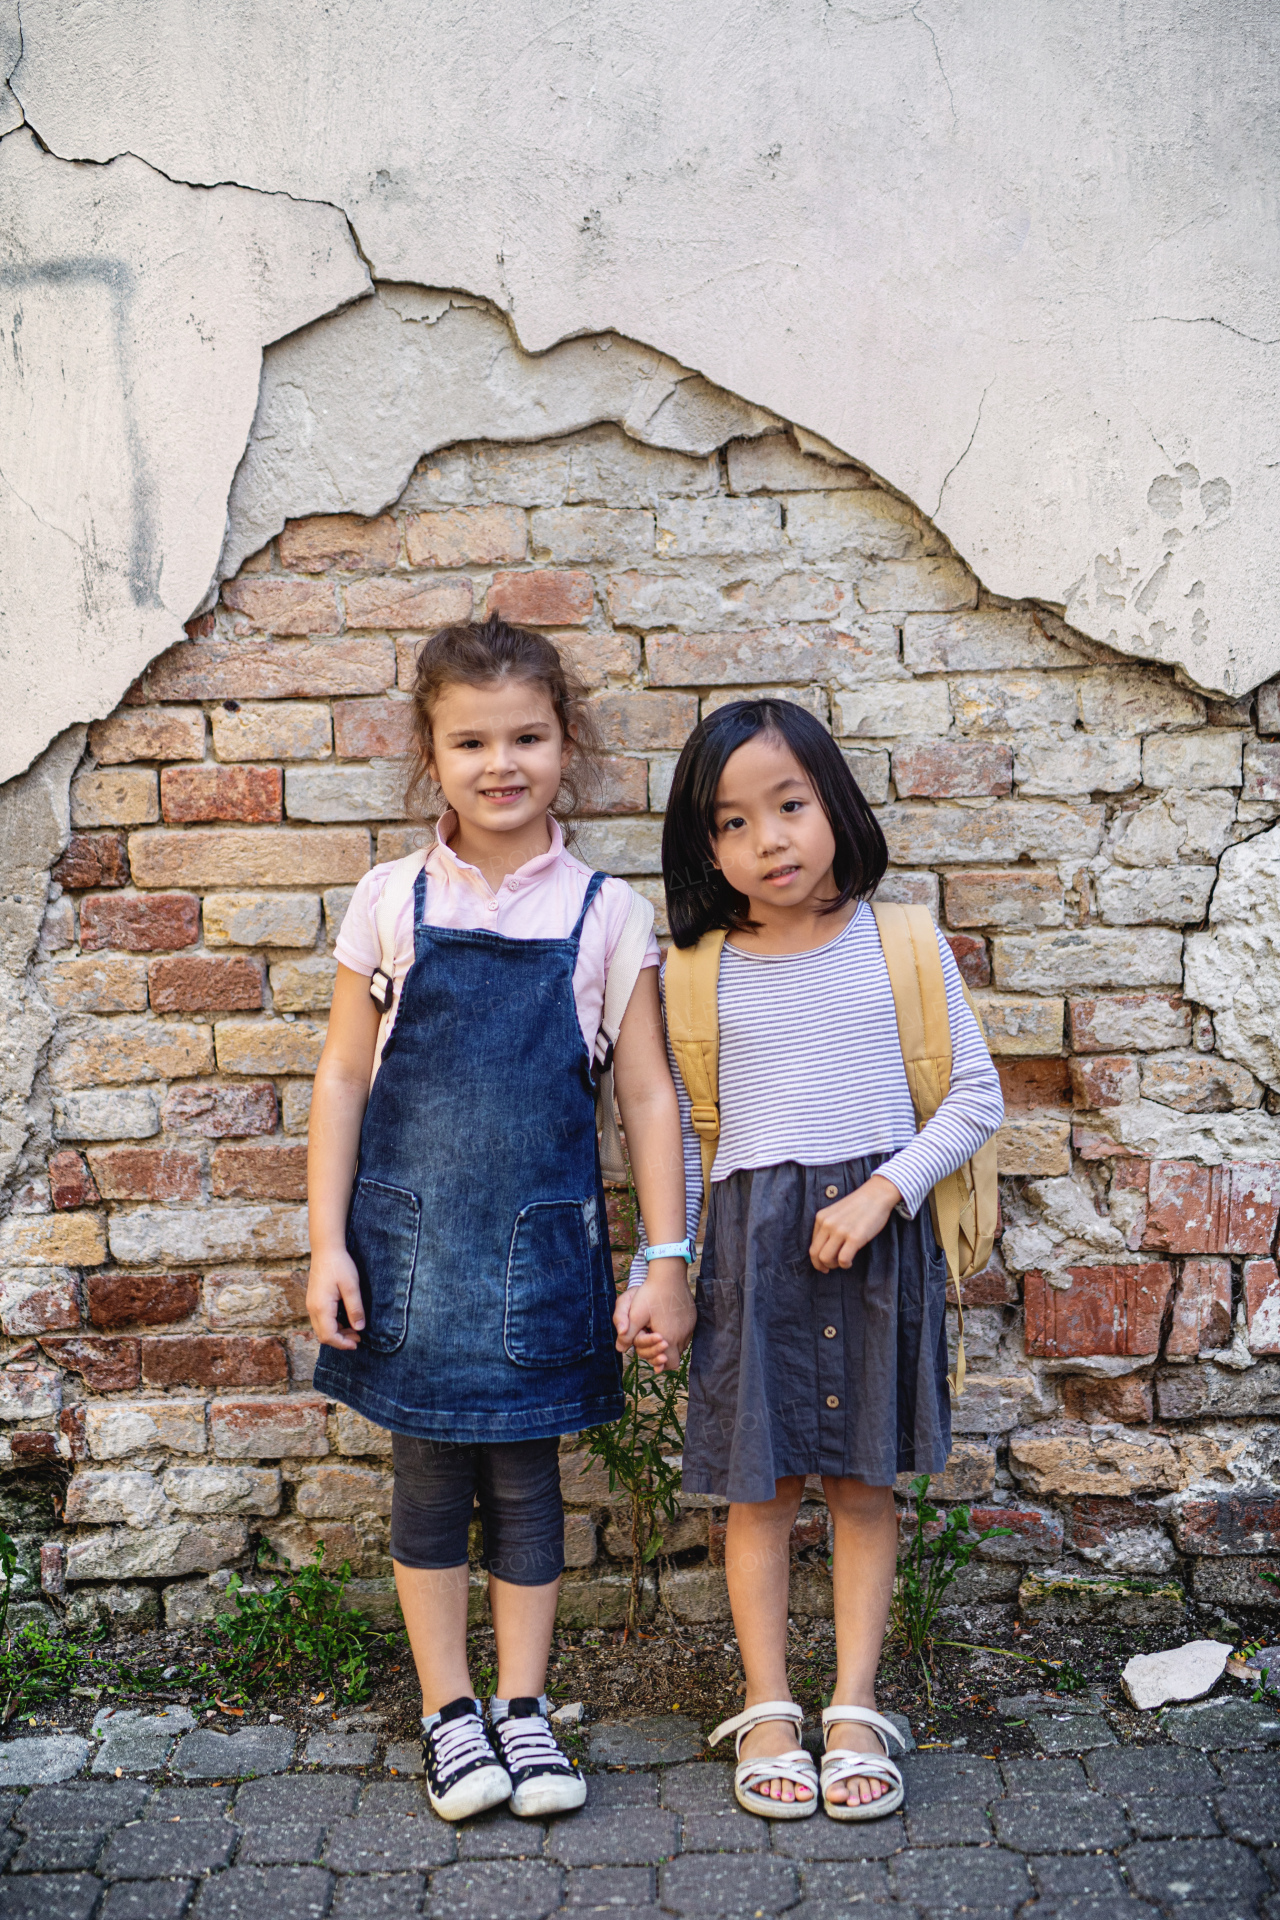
820	1345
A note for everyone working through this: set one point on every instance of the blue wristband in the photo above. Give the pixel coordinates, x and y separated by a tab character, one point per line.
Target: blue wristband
672	1250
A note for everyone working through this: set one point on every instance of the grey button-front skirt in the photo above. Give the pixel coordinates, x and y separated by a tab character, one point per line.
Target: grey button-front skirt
795	1371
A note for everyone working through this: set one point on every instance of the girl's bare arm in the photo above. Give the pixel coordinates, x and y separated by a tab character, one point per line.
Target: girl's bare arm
337	1109
662	1309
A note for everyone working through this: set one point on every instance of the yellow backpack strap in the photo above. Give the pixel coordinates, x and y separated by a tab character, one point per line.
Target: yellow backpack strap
910	946
693	1026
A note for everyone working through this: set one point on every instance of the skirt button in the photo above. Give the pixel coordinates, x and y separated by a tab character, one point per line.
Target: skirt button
833	1399
832	1192
828	1333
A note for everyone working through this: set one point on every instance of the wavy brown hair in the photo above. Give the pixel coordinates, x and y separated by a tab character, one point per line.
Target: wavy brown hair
476	653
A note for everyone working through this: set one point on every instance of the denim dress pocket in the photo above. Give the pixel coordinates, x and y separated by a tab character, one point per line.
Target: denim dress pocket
382	1239
550	1316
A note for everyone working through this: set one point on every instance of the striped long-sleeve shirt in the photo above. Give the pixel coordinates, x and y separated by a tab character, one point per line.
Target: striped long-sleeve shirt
811	1071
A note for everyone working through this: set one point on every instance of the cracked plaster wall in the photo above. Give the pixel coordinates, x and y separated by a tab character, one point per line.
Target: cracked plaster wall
1012	265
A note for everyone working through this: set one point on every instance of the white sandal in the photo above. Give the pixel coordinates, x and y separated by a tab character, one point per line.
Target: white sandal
796	1766
843	1764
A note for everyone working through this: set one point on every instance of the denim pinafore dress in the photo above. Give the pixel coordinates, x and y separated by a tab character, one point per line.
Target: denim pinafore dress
477	1220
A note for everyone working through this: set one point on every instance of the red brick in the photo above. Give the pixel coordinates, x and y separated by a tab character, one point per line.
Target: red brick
268	1429
972	958
342	540
1135	1173
1226	1209
105	1365
204	623
543	599
42	1310
623	787
1106	1310
221	1113
1231	1523
213	1360
271	669
1093	1520
196	983
952	769
34	1446
418	606
372	729
283	606
141	1299
1089	1144
139	922
71	1421
993	1287
70	1182
268	1170
146	1173
1035	1533
1126	1401
222	793
149	733
1262	1305
1035	1083
1003	897
1201	1308
466	537
93	860
1102	1080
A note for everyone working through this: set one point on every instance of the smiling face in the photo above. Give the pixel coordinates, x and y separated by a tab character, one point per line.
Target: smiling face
773	840
497	753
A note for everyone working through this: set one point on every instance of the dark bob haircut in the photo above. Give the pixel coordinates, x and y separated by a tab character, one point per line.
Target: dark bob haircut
698	895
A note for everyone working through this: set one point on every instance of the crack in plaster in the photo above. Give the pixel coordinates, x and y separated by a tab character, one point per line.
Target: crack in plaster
955	119
1203	320
968	444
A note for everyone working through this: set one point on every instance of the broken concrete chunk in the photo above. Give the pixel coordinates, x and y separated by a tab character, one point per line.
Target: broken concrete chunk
1178	1673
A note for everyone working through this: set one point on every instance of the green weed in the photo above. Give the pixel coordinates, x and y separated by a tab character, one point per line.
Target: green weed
642	1455
299	1621
931	1563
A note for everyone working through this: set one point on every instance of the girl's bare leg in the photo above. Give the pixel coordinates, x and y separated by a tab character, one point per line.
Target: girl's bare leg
434	1603
524	1619
865	1560
757	1561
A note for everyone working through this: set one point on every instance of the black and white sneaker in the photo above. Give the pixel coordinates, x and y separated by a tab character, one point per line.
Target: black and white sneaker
542	1780
465	1771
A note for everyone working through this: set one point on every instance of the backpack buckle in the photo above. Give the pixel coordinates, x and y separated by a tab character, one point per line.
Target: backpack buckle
382	991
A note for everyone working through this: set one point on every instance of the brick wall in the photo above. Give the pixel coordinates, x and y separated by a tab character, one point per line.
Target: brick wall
1062	810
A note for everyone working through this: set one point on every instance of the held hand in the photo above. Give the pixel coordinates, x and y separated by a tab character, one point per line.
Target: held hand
658	1318
334	1279
847	1225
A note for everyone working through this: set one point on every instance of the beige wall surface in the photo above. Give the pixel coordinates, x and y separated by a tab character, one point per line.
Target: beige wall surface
1018	262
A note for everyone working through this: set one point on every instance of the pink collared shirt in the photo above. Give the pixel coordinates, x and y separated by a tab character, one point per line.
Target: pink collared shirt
539	901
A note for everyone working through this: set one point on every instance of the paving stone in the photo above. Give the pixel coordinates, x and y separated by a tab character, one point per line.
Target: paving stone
1130	1771
609	1790
147	1899
1170	1816
64	1850
629	1837
30	1763
53	1896
496	1890
725	1830
697	1788
191	1803
1086	1906
1060	1823
265	1893
389	1796
296	1798
230	1756
284	1843
820	1909
1223	1724
498	1835
949	1823
9	1843
341	1747
982	1877
381	1896
1072	1733
1175	1870
88	1803
155	1849
932	1777
845	1880
655	1740
389	1843
1075	1875
1023	1774
610	1887
1245	1769
712	1883
138	1742
819	1838
1252	1813
405	1756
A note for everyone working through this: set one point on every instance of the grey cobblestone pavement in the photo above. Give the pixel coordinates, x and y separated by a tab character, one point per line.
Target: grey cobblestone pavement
1183	1832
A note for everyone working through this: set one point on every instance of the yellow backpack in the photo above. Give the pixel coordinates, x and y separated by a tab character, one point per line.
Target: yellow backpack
964	1205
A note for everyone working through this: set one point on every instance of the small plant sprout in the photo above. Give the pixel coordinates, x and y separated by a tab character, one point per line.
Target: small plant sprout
929	1566
300	1618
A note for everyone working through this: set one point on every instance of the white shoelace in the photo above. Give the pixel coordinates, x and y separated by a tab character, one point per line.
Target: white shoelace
457	1744
529	1743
